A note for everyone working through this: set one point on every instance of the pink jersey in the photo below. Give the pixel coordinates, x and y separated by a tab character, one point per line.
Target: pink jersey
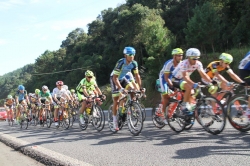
185	66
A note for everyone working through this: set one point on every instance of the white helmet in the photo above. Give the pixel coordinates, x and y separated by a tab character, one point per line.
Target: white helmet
65	87
193	52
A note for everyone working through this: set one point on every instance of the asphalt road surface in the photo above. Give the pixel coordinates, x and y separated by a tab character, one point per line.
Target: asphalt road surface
152	147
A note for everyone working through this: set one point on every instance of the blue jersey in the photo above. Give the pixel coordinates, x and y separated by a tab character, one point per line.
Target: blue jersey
21	96
245	62
168	67
121	68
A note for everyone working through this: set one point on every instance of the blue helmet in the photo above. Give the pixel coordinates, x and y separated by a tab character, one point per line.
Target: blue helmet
21	87
129	51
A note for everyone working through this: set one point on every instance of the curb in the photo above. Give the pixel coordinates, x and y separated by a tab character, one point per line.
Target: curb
40	154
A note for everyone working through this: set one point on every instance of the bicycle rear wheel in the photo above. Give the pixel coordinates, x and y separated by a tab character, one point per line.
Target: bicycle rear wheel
143	111
156	119
134	118
98	119
177	121
235	110
211	115
66	120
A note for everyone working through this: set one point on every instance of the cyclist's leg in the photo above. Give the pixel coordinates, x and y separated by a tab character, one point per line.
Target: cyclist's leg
245	76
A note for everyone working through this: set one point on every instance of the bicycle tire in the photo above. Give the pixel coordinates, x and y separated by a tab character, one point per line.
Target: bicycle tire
66	120
234	115
48	118
213	122
156	119
143	112
86	119
24	121
177	121
98	118
134	112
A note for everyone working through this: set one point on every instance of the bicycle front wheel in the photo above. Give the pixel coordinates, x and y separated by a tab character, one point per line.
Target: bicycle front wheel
98	119
211	115
156	119
24	121
176	120
236	109
48	119
134	118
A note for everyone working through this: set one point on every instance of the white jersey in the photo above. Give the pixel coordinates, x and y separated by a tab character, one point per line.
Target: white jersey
185	66
245	62
59	93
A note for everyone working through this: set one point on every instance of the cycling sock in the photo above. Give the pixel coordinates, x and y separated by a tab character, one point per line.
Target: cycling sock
114	118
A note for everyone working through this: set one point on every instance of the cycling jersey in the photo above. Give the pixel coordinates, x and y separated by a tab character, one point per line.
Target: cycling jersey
9	102
168	67
215	67
21	96
58	92
122	68
43	95
185	66
245	62
89	85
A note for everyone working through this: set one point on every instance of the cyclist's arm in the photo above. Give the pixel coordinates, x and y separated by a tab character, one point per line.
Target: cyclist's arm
166	77
204	75
98	89
116	81
220	77
234	76
138	79
17	102
187	78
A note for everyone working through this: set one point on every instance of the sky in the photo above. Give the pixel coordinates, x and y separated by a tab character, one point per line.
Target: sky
30	27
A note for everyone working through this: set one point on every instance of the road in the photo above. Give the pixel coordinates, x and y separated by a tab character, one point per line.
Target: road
152	147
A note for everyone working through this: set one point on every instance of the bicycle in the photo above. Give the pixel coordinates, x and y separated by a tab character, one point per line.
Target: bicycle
132	114
93	114
34	114
23	117
10	117
46	115
63	116
138	100
208	111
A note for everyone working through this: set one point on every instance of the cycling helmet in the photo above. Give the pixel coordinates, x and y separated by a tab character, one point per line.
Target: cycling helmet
89	73
59	83
129	51
226	58
21	87
65	87
44	87
177	51
37	91
9	97
193	52
72	90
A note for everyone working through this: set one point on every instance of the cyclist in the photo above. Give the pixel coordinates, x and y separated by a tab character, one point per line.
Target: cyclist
214	69
59	95
68	92
85	89
21	99
118	80
34	102
75	98
181	77
165	76
9	105
44	97
244	73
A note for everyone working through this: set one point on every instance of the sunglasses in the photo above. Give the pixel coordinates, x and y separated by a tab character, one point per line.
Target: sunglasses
130	54
45	90
90	77
179	55
194	57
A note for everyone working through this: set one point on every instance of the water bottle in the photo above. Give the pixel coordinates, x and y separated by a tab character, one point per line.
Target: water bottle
88	110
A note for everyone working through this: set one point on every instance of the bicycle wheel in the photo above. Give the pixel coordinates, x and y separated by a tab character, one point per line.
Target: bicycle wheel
98	118
110	119
235	110
143	111
177	121
48	116
156	119
86	119
134	118
24	121
211	115
66	120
